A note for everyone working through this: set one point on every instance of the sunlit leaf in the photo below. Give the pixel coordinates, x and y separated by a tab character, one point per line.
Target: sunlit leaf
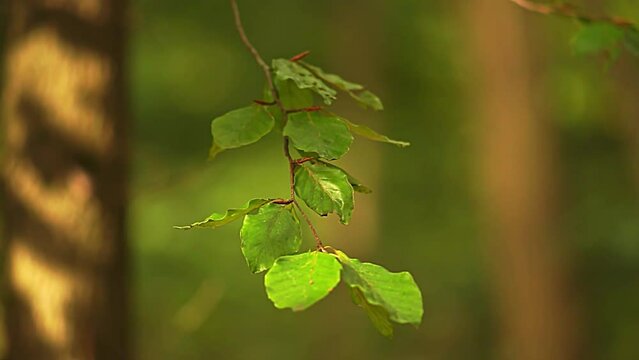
216	219
273	232
355	183
320	133
299	281
325	189
239	128
371	134
397	293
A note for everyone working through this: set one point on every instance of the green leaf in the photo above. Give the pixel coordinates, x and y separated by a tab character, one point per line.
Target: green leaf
632	41
304	79
368	100
377	314
293	97
333	79
371	134
597	37
356	91
216	220
355	183
397	293
320	133
325	189
273	232
299	281
239	128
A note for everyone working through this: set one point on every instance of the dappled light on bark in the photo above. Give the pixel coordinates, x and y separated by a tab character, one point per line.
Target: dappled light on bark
64	176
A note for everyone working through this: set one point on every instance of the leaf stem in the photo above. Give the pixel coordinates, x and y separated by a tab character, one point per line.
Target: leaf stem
278	101
318	242
291	167
306	109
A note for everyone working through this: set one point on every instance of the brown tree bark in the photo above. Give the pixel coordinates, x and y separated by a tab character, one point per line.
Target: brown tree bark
64	178
516	170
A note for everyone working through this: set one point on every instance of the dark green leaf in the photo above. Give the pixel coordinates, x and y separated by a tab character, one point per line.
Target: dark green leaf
397	293
299	281
304	79
273	232
368	100
320	133
325	189
371	134
597	37
377	314
216	220
632	41
239	128
293	97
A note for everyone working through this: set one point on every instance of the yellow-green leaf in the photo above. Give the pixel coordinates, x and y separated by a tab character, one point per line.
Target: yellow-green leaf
371	134
239	128
320	133
216	220
299	281
397	293
273	232
325	189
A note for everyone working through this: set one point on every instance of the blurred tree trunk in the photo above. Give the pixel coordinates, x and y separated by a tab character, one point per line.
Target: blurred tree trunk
515	160
64	179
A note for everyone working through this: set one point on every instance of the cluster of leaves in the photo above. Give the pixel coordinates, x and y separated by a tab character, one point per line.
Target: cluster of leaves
606	37
271	234
596	35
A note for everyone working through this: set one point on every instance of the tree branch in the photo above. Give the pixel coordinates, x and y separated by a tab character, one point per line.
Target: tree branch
278	101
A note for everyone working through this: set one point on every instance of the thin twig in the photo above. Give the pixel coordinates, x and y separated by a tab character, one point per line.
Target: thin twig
300	161
567	10
291	167
300	56
269	79
258	58
277	100
282	201
306	109
318	242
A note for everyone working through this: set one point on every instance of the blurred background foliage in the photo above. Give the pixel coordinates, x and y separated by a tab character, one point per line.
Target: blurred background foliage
194	297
